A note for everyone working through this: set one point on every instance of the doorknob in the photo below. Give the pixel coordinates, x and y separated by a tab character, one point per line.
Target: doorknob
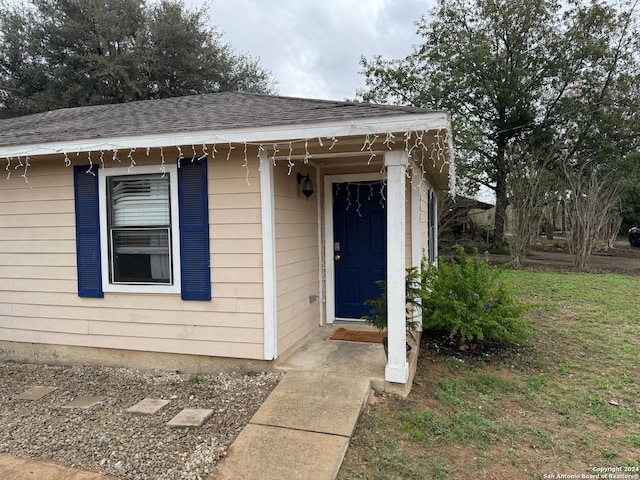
337	257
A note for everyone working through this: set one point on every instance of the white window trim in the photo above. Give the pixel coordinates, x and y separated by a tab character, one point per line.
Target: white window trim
107	286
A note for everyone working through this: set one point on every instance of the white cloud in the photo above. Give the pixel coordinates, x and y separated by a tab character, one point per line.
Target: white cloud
313	47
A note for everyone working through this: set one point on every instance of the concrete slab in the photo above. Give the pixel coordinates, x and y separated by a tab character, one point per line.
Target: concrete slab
84	402
319	354
190	417
12	468
316	402
148	406
36	393
270	453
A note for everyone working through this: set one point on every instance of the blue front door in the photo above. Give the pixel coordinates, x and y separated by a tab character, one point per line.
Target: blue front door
360	246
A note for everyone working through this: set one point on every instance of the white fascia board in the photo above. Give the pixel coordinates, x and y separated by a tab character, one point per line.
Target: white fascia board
269	134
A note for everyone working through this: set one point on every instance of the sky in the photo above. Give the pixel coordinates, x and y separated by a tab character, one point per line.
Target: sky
313	47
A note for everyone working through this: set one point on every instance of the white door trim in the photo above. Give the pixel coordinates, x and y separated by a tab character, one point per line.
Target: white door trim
329	180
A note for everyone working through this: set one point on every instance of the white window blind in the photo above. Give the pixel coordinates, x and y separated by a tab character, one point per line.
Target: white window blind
140	201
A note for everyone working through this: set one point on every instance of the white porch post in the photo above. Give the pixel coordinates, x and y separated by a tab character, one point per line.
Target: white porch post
397	369
268	258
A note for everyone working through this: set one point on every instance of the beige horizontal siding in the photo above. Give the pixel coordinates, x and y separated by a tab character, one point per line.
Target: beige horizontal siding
298	283
239	201
36	195
38	277
41	245
236	290
48	207
240	275
64	305
44	259
39	272
192	347
300	241
289	267
235	231
40	324
233	260
246	216
231	186
43	220
221	246
38	285
297	262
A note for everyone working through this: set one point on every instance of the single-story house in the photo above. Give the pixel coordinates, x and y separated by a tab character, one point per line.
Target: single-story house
223	225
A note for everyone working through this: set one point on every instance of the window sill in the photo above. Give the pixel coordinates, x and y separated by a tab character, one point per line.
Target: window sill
155	289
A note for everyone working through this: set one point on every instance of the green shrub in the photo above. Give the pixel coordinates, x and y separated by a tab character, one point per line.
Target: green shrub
467	300
378	316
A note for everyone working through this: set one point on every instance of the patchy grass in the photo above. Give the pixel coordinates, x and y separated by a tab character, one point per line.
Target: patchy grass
565	403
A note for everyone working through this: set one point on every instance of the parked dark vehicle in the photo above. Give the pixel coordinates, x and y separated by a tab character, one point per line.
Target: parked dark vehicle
634	236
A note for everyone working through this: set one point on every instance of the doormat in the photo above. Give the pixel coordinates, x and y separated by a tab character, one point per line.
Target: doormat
365	336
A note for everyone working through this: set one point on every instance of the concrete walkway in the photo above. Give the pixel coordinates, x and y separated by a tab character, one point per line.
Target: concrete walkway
12	468
301	431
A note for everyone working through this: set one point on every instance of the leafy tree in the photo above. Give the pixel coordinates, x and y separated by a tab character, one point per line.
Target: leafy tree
528	182
597	124
66	53
592	201
513	74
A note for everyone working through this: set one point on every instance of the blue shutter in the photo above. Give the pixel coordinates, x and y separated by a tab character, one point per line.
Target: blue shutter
87	232
194	229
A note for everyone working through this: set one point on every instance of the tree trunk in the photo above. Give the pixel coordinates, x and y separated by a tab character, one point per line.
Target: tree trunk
501	212
501	192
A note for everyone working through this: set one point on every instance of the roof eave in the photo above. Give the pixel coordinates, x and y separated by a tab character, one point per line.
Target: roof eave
435	120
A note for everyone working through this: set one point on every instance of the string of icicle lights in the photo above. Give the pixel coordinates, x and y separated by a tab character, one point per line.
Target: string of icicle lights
436	154
364	188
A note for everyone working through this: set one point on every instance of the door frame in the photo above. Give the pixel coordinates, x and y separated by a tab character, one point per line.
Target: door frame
329	240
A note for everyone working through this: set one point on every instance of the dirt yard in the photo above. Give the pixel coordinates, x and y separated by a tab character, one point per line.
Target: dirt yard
622	259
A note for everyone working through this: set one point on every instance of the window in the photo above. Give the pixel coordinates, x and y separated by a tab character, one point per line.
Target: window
140	231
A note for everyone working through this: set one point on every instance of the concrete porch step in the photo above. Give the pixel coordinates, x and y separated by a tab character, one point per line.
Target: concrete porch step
301	431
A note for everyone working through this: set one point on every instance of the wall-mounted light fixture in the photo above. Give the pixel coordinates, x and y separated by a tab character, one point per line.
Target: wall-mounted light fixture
307	185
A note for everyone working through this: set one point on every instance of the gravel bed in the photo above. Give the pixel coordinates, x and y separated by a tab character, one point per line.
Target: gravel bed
107	439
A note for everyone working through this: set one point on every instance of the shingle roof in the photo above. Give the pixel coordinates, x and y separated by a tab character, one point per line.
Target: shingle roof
224	110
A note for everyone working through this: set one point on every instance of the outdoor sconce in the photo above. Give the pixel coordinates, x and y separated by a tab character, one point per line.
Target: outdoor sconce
307	185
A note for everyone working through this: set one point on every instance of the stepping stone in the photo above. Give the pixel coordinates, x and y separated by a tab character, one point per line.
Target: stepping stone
36	393
190	417
148	406
84	402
